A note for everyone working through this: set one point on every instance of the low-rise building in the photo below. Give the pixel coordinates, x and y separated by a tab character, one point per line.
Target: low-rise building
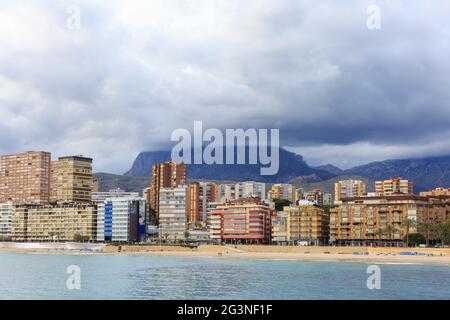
6	211
436	192
61	222
372	220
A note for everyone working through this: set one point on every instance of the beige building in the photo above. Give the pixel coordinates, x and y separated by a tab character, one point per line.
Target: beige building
25	178
393	186
284	191
306	223
349	188
365	220
436	192
173	213
71	179
54	222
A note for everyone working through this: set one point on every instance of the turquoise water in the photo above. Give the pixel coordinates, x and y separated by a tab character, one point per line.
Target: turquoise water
29	276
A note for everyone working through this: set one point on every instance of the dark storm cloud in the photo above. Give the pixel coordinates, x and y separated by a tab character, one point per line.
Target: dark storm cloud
137	70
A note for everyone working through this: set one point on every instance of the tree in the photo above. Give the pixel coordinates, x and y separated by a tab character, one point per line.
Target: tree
152	216
389	230
426	228
416	239
443	231
409	223
80	238
281	203
186	235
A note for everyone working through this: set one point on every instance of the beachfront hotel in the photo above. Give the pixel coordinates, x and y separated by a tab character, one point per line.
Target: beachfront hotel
25	178
305	223
62	222
71	179
246	221
383	219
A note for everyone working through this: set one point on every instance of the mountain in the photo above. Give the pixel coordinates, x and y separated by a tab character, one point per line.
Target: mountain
330	168
426	173
291	166
328	185
142	165
109	181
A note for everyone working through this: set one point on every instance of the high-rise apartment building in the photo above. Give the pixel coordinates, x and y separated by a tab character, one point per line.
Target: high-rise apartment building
284	191
241	221
348	189
71	179
165	175
249	189
301	224
193	203
95	185
393	186
316	196
226	192
241	190
199	194
62	222
173	218
25	178
122	219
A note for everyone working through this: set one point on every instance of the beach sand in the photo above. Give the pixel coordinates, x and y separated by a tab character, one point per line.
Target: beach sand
336	254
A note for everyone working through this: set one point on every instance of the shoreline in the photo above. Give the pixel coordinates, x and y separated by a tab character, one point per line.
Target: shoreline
318	254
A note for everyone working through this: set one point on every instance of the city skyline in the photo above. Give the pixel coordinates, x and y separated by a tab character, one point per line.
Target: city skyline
131	74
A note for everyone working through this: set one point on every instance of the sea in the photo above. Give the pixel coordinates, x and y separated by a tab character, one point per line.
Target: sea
76	277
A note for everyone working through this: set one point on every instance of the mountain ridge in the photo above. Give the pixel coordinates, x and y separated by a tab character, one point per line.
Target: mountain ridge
427	173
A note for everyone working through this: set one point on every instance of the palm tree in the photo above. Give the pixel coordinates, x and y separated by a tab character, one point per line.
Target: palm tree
390	230
425	229
409	223
443	231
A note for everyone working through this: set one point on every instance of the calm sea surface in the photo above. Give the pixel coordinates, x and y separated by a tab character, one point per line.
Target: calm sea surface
29	276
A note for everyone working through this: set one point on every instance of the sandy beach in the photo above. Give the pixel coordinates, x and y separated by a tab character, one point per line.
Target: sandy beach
336	254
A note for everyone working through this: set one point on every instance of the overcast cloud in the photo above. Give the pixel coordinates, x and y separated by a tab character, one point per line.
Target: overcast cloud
136	70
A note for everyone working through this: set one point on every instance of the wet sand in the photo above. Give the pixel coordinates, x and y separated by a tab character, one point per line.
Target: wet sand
336	254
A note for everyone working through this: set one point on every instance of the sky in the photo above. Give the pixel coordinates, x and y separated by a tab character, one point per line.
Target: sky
123	76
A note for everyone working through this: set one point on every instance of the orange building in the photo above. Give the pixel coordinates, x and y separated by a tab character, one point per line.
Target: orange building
241	221
25	178
393	186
